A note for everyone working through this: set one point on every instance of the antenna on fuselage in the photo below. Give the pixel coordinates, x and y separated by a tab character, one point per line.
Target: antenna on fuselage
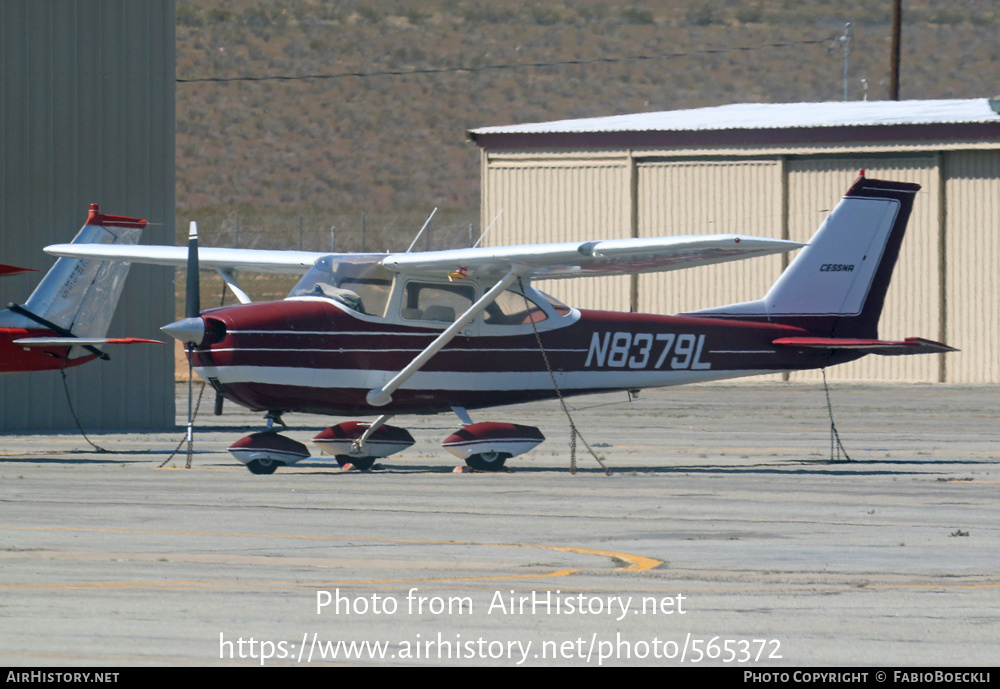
426	223
486	231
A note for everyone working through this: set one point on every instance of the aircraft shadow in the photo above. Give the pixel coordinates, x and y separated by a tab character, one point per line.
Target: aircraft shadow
819	468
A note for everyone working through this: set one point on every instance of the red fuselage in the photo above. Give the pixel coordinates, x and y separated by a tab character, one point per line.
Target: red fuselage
314	356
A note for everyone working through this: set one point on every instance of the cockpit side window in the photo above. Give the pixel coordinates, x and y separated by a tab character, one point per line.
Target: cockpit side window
424	301
373	286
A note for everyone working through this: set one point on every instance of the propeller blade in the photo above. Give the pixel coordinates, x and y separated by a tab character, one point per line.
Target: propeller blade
192	303
189	327
190	424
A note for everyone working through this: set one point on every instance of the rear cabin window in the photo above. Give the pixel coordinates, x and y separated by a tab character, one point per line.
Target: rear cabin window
443	303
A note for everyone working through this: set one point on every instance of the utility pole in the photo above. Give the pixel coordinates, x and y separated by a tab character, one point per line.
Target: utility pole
846	40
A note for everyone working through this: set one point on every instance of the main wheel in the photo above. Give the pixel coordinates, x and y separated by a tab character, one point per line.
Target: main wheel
487	461
263	466
360	463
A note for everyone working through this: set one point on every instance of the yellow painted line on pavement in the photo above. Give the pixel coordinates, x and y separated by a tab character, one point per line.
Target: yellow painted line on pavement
633	563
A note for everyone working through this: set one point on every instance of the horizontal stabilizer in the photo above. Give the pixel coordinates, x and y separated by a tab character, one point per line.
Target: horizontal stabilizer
79	341
911	345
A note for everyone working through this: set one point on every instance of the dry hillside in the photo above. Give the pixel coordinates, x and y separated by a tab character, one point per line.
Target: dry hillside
268	158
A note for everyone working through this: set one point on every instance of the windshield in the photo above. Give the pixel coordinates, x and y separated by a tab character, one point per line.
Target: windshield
557	305
362	287
513	308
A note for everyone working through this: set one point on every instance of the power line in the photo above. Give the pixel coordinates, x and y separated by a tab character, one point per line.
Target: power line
522	65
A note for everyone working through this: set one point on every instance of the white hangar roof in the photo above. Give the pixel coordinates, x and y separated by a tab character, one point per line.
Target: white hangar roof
774	115
923	119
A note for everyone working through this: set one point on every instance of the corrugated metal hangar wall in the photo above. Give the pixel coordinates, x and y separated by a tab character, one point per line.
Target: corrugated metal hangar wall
87	116
945	286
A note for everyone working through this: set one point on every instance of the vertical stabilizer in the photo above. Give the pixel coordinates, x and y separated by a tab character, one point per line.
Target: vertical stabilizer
837	284
80	294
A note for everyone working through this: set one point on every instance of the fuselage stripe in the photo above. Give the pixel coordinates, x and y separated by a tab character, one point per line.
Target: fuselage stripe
482	381
338	333
347	350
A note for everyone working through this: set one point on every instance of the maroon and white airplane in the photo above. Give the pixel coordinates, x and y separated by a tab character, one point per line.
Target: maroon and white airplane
66	318
410	333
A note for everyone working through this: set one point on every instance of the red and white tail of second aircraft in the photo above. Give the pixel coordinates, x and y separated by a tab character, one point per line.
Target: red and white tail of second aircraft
459	330
65	320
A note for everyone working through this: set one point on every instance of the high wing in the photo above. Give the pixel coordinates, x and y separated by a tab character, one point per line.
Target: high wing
590	259
222	260
261	260
560	260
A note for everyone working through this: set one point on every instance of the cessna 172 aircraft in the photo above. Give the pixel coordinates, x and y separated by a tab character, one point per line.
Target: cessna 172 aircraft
385	334
66	318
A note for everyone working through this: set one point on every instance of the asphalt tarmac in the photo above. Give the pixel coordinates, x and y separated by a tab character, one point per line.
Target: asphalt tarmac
723	536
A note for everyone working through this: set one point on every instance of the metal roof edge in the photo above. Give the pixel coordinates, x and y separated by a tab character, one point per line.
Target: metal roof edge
860	134
754	123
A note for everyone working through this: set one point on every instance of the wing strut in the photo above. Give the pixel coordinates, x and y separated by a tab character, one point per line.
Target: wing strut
379	397
228	275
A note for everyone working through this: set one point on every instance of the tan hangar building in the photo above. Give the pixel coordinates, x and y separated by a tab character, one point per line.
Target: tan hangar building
772	170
